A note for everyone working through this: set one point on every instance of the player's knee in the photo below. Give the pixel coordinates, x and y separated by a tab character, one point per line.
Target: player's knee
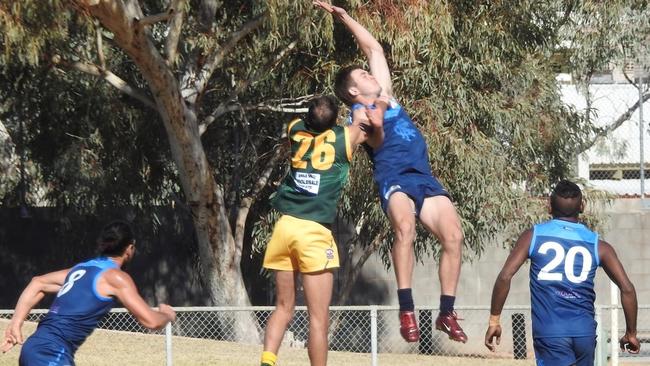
285	307
318	322
404	232
452	241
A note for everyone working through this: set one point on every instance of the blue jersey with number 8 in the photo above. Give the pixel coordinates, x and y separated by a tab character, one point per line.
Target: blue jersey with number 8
78	306
564	259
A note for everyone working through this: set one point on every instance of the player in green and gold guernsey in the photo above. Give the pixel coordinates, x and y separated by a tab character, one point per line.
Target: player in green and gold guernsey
319	169
302	242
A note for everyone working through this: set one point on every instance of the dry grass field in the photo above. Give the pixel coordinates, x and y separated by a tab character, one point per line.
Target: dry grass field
104	348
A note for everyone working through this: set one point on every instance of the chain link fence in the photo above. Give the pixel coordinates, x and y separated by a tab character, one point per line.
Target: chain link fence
618	161
374	330
621	179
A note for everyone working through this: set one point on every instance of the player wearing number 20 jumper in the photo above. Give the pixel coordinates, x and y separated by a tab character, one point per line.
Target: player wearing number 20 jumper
564	256
84	294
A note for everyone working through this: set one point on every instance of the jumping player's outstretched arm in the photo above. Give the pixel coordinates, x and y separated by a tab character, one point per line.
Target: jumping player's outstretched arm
368	44
31	295
501	288
614	269
118	283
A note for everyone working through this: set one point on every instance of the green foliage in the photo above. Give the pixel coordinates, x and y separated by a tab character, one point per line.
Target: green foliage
30	28
478	77
85	149
600	35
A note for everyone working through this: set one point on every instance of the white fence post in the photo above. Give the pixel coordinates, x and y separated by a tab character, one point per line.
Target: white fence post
168	343
373	335
600	339
614	323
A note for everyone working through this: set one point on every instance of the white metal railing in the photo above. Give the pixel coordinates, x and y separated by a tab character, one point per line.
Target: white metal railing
370	330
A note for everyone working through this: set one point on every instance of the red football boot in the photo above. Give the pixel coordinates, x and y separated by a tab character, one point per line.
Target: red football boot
449	324
408	326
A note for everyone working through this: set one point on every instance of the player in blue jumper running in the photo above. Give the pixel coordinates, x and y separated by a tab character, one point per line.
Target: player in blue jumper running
564	255
408	190
85	293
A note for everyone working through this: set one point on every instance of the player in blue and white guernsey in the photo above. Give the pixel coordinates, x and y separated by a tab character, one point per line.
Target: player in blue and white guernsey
408	191
564	255
85	293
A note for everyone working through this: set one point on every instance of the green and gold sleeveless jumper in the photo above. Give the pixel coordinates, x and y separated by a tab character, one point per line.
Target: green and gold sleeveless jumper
318	172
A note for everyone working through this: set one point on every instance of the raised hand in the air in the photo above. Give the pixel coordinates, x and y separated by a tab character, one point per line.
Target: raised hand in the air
334	10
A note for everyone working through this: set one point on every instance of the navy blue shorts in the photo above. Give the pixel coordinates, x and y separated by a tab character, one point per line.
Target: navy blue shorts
416	186
44	352
565	351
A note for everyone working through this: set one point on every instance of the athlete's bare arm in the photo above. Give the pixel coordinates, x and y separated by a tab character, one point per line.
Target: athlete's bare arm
368	124
118	283
614	269
368	44
517	257
31	295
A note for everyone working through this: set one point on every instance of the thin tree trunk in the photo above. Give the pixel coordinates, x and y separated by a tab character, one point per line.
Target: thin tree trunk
349	278
351	272
8	161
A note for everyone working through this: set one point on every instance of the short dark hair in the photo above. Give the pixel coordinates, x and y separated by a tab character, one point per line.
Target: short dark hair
114	238
343	82
566	199
322	113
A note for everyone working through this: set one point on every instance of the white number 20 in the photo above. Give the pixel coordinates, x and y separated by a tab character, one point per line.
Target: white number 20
547	274
68	285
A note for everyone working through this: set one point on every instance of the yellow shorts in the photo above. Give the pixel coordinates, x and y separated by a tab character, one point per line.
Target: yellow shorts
301	245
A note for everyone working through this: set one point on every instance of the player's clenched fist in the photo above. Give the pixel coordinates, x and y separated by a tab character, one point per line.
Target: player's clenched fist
167	310
629	343
13	336
493	337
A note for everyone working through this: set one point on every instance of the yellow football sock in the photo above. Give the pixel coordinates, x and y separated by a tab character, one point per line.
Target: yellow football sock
268	358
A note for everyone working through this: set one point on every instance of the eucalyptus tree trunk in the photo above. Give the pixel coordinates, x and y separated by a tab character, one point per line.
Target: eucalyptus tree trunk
220	254
8	160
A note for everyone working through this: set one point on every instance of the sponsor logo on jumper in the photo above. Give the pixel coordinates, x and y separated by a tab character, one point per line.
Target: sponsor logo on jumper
309	182
566	294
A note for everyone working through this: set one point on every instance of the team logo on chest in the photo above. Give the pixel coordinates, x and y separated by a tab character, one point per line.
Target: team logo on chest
404	130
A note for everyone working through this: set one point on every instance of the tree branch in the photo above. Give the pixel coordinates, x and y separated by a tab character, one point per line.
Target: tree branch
352	272
216	58
8	157
153	19
174	30
252	107
277	105
617	123
247	202
243	86
567	14
100	47
272	163
110	78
